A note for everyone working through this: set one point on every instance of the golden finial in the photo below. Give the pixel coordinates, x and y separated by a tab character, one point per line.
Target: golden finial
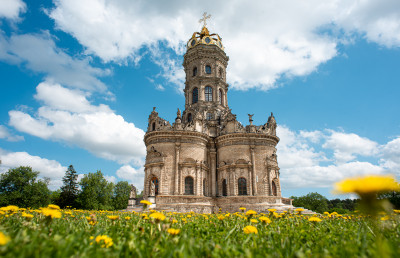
204	19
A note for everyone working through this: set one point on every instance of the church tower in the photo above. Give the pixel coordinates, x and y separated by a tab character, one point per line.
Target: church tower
206	159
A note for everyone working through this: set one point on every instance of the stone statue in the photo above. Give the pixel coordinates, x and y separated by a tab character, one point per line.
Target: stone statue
152	189
178	114
133	192
251	119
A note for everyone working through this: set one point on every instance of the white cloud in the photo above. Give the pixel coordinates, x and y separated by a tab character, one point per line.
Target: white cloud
266	40
132	175
391	156
11	9
305	158
346	145
5	134
48	168
39	53
67	116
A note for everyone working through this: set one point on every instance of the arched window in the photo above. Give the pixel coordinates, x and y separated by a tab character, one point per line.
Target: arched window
155	181
274	192
208	93
221	72
209	116
195	95
153	126
220	96
204	187
208	69
189	117
195	71
224	188
242	186
189	189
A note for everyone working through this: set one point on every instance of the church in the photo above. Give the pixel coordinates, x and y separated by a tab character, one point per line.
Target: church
206	160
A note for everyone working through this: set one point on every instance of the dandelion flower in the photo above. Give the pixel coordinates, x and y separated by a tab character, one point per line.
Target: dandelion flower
250	230
173	231
51	213
104	241
242	208
251	212
4	239
254	221
264	219
27	215
113	217
315	219
158	216
271	210
53	206
146	202
367	185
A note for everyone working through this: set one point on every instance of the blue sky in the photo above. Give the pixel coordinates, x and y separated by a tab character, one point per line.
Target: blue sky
79	79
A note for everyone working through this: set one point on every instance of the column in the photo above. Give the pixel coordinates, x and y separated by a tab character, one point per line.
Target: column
213	156
198	181
253	162
176	177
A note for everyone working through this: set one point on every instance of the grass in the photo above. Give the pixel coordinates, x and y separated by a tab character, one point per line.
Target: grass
209	235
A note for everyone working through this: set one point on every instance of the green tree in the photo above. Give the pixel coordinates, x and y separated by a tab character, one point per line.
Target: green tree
312	201
393	197
122	191
20	186
96	193
69	190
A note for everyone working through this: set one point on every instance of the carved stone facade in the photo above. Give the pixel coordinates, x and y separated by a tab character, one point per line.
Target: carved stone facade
207	160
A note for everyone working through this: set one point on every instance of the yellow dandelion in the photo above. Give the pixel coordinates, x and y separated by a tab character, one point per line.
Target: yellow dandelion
385	218
242	208
251	212
254	221
127	218
146	202
173	231
27	215
299	209
53	206
104	241
221	217
174	221
271	210
396	211
113	217
367	185
51	213
264	219
158	216
315	219
250	230
4	239
10	208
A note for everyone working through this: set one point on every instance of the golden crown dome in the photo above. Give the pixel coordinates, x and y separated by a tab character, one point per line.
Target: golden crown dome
204	37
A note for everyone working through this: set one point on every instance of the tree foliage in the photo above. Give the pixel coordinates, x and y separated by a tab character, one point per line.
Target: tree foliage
122	191
393	197
96	193
20	186
312	201
70	189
